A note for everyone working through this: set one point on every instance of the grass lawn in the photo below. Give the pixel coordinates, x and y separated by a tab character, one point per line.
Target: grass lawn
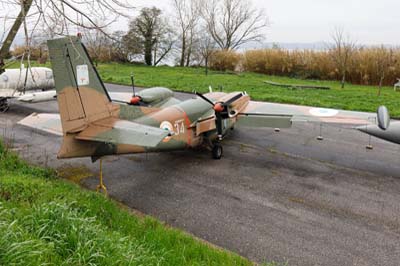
48	221
353	97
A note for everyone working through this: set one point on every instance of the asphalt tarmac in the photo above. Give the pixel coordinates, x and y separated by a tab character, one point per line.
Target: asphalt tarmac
283	197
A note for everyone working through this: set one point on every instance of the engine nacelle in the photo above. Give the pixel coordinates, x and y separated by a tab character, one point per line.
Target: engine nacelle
155	95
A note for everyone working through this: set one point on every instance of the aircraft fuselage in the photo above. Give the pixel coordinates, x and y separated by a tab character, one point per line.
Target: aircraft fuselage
13	82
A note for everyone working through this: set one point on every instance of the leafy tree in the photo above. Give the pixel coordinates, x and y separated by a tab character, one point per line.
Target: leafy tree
149	34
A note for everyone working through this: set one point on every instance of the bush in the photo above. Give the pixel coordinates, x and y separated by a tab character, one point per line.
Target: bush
364	67
225	60
38	52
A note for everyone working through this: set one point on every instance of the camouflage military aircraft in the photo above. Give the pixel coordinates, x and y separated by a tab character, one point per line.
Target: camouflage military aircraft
92	125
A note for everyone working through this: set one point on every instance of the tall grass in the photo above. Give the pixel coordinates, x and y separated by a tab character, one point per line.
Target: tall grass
225	60
364	67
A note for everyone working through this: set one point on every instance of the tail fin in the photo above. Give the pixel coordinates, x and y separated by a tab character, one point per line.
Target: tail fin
82	97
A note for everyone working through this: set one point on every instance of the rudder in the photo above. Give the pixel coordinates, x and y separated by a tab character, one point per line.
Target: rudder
81	95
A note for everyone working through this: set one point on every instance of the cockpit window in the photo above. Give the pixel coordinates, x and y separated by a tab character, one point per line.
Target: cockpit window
49	74
4	78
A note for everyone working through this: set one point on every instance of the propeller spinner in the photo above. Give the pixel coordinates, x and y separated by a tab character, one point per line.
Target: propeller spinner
220	109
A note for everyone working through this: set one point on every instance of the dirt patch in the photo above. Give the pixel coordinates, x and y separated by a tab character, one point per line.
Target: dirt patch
75	173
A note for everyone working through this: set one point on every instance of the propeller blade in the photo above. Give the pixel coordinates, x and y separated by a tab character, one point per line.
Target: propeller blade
233	99
218	121
204	98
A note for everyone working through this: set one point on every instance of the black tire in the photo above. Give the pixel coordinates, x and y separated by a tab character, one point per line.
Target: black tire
217	151
4	106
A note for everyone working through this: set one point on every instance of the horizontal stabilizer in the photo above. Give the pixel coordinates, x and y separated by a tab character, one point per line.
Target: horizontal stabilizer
271	121
115	131
109	130
49	123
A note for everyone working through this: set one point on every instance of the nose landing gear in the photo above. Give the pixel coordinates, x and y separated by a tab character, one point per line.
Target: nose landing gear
217	150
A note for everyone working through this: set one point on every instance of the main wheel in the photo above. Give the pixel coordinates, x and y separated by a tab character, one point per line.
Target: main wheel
4	105
217	151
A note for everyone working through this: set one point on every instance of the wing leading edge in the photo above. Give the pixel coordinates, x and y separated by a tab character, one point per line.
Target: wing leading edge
264	120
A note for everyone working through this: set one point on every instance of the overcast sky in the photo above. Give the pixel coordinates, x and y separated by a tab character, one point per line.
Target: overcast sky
367	21
370	22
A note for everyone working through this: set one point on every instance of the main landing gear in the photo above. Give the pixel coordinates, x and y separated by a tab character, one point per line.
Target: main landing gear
4	106
217	150
101	186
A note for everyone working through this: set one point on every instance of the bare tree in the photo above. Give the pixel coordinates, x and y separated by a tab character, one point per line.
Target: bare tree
64	14
206	47
104	49
342	51
81	14
232	23
163	46
5	48
150	33
119	51
187	15
96	43
384	62
3	30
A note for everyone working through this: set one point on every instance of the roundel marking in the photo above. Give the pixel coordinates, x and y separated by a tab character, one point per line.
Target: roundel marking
166	125
323	112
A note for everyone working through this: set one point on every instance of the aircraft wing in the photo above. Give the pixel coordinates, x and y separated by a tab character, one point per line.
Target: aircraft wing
125	97
110	130
50	123
264	120
116	131
261	110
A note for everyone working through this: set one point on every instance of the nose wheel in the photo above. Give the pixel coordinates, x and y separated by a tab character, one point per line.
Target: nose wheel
4	106
217	151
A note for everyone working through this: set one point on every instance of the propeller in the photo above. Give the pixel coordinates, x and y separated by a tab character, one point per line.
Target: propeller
135	100
220	109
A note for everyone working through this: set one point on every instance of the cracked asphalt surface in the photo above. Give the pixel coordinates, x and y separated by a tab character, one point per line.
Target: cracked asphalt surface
283	197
